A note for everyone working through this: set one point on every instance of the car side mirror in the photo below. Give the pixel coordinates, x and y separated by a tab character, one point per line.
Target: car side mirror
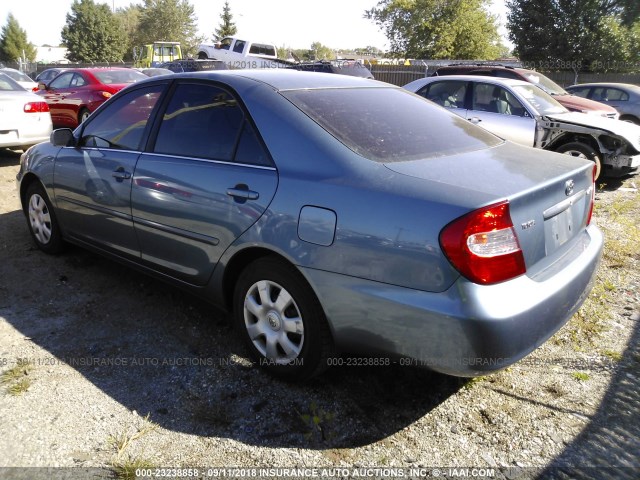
42	86
63	137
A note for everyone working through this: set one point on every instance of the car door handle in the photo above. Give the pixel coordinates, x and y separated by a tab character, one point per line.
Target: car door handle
475	120
121	174
242	192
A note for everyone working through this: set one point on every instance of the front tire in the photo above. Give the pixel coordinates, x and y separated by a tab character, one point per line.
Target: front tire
582	150
281	321
42	221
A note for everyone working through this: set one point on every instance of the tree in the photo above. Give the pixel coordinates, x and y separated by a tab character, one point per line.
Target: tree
227	28
169	20
320	52
456	29
129	19
92	33
14	44
572	33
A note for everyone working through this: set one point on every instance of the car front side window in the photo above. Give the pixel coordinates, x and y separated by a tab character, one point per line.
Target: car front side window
121	125
62	81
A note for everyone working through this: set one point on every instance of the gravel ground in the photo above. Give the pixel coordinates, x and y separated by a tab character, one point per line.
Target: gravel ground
127	372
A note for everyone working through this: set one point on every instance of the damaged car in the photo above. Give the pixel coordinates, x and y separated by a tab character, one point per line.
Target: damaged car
520	112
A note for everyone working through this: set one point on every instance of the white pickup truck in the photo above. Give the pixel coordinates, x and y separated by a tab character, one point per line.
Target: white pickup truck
240	54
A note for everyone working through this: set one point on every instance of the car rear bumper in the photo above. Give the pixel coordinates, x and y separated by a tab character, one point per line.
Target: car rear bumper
17	138
467	330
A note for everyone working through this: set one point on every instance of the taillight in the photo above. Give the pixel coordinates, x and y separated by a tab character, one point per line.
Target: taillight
593	194
482	245
36	107
105	94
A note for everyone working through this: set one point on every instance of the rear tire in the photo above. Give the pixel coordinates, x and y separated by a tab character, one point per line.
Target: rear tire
42	221
630	119
83	115
582	150
281	321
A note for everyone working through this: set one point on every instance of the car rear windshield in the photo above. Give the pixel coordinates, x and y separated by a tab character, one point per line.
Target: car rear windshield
119	76
8	84
390	124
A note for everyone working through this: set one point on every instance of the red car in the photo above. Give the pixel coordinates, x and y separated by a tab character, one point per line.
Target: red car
77	92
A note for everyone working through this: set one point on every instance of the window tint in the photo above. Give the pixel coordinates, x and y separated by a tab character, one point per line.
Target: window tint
121	125
62	81
449	94
201	121
261	49
239	46
250	150
390	124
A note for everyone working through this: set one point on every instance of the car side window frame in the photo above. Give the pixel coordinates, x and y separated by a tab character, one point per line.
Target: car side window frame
461	103
518	104
247	124
60	77
142	143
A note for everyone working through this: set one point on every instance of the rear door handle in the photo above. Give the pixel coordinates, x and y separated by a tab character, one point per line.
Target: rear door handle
242	192
121	174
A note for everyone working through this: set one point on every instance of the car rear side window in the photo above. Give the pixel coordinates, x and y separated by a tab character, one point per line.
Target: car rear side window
390	124
205	121
122	123
448	93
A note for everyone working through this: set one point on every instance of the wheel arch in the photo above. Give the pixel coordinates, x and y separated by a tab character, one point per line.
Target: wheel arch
572	137
238	262
28	179
630	118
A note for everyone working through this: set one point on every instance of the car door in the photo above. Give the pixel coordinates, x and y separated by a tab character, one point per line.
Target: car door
496	109
206	180
54	94
92	181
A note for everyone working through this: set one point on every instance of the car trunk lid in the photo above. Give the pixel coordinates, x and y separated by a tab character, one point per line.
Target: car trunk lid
549	194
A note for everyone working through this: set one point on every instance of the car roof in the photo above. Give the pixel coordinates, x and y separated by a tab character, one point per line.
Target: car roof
284	79
512	82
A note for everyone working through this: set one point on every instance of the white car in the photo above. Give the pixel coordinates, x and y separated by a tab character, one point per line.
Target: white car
24	116
523	113
22	79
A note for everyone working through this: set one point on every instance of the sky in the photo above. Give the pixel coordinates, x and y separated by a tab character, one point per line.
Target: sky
290	23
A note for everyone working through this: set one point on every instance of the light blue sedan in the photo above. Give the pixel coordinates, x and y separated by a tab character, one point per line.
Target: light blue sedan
329	213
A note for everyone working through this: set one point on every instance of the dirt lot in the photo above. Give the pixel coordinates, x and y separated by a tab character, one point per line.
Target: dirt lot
108	370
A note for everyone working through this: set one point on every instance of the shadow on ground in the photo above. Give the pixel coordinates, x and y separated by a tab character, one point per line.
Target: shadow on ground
609	447
157	350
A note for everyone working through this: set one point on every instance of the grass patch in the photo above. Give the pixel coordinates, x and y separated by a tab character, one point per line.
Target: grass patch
121	441
16	379
613	355
469	383
126	469
316	422
580	376
618	221
124	466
